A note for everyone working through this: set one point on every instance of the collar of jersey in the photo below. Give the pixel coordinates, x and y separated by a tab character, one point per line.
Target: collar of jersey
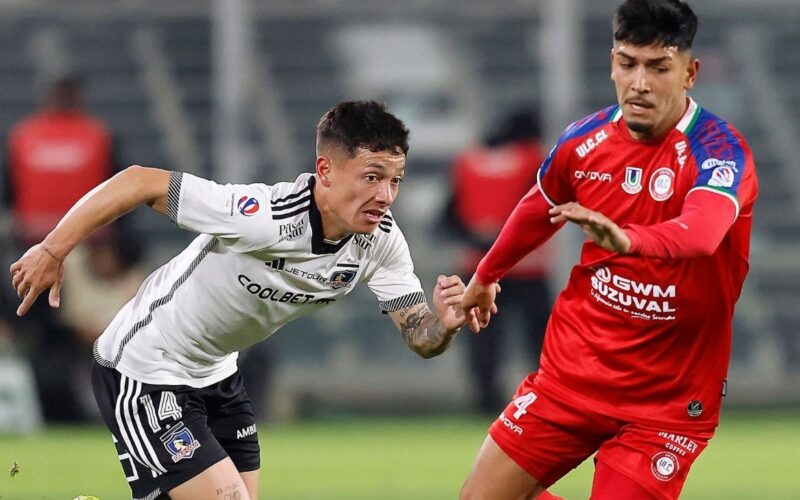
318	244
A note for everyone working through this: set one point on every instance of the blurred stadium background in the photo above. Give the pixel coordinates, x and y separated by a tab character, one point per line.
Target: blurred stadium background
232	90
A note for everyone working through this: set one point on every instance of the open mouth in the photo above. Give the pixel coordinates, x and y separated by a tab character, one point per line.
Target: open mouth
374	216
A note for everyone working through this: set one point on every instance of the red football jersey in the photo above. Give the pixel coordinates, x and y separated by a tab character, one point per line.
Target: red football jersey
643	338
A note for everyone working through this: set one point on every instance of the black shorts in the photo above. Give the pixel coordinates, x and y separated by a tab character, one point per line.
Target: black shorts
167	434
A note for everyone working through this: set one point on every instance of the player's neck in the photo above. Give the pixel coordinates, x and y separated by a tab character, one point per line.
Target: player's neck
333	228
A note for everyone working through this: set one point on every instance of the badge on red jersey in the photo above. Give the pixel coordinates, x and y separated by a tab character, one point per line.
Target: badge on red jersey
662	184
664	465
633	180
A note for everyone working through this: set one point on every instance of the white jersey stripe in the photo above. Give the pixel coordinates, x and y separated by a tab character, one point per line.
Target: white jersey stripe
160	469
123	429
292	196
299	211
127	420
287	206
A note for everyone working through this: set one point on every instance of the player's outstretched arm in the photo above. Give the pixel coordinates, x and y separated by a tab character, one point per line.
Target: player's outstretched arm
42	266
597	226
428	333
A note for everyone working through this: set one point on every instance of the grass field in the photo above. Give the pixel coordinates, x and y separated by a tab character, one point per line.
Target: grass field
754	455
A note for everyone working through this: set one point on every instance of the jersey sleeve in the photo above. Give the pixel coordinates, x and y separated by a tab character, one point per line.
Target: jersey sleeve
237	214
527	228
698	230
724	162
393	280
553	179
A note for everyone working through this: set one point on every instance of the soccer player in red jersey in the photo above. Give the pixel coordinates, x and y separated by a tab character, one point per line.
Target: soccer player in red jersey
638	343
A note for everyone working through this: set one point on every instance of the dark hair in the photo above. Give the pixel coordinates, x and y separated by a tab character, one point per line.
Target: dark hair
520	125
65	92
362	124
666	22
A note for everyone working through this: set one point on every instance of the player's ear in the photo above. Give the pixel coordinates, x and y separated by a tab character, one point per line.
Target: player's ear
691	73
323	170
611	61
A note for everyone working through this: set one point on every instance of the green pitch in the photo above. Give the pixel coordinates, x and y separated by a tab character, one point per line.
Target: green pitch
754	455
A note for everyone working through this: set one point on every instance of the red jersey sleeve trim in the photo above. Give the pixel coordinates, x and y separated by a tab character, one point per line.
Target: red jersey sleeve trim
704	221
527	227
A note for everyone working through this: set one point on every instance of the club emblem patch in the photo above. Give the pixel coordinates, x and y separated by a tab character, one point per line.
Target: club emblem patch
662	184
341	279
664	465
180	443
633	180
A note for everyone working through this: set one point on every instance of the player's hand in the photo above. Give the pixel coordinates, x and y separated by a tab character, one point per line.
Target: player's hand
446	296
36	271
597	226
478	303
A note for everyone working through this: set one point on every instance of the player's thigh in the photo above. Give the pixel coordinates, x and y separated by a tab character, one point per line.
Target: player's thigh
232	420
220	481
496	476
534	442
658	460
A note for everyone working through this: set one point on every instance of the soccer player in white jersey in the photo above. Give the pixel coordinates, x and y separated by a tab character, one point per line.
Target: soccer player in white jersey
165	375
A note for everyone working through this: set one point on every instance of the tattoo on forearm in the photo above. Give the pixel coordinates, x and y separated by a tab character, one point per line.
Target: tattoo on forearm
424	334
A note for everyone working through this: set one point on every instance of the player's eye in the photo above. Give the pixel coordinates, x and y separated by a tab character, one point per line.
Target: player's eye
371	177
397	180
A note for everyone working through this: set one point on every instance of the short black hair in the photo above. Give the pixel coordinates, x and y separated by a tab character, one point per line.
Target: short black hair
362	124
665	22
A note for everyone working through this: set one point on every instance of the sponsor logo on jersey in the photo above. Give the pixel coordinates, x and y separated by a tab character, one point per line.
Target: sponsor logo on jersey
292	230
264	292
633	180
678	444
722	177
180	443
694	409
680	151
515	428
664	465
593	175
363	241
642	300
662	184
710	163
247	431
592	142
342	279
248	206
277	264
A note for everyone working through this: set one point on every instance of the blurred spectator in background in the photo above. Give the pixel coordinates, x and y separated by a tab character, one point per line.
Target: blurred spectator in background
487	183
54	156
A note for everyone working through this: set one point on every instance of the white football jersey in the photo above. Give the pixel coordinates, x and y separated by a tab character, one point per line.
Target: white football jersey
260	263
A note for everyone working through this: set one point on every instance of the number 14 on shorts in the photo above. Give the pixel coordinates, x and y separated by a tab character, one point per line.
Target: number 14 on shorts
522	403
